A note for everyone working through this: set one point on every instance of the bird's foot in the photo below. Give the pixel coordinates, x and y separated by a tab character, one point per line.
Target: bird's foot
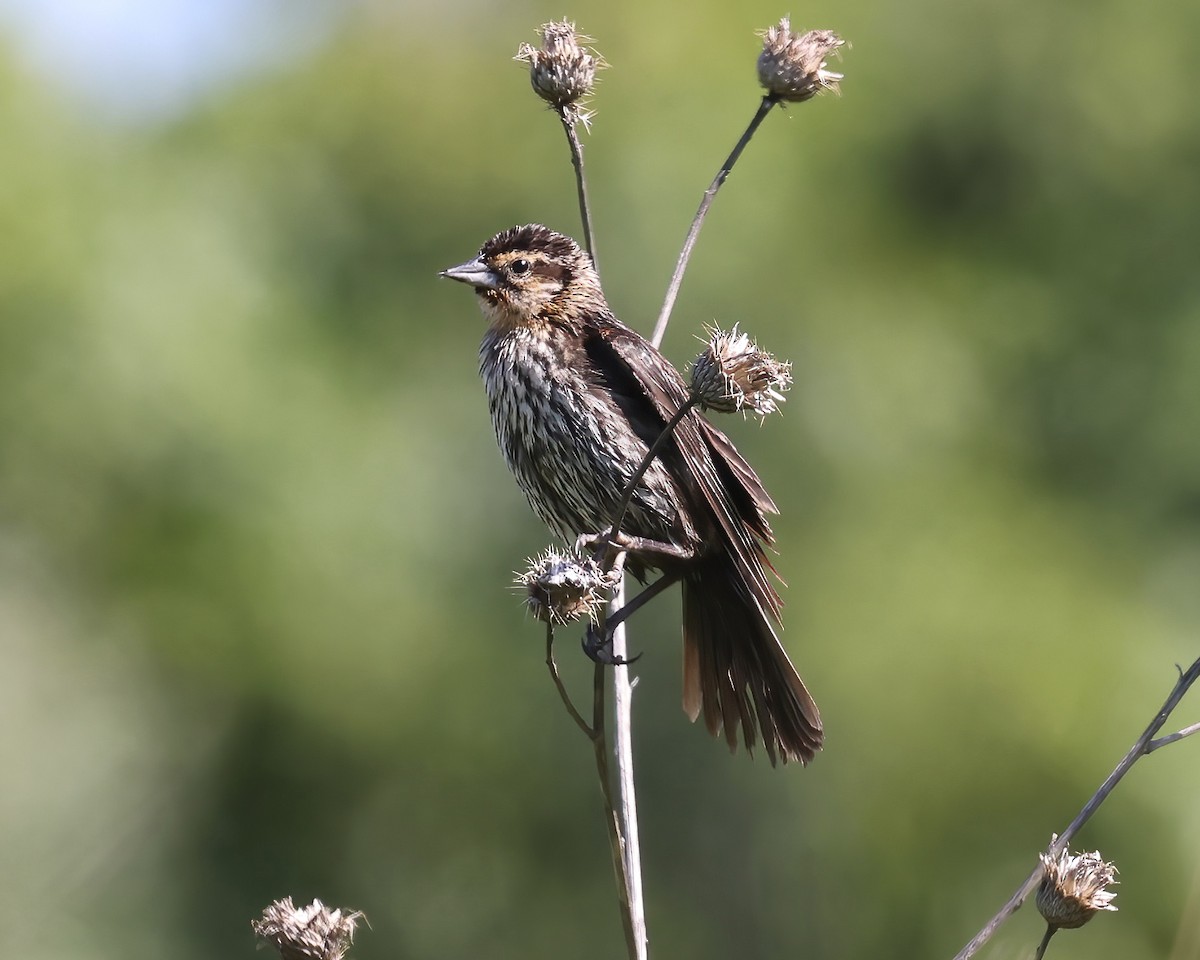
598	645
598	543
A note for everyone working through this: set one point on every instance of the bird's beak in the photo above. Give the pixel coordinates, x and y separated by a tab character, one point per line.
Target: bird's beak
475	272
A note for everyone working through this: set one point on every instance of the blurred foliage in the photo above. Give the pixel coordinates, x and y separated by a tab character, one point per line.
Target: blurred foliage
256	540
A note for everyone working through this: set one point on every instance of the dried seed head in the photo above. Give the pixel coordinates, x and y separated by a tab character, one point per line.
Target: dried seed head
562	587
562	71
792	66
307	933
733	374
1074	888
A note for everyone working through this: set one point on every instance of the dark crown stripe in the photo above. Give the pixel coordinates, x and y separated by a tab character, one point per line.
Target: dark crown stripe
532	237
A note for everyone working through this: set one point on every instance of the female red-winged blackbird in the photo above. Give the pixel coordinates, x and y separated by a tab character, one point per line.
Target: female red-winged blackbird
577	398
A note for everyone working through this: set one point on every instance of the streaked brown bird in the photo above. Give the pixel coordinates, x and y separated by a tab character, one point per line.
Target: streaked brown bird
576	399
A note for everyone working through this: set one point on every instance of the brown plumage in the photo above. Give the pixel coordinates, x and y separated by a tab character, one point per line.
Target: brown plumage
576	399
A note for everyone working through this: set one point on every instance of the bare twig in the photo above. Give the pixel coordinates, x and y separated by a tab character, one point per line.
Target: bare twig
589	240
1139	749
664	316
627	791
562	690
615	834
1172	737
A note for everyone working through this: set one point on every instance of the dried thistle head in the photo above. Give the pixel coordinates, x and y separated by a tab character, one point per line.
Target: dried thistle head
563	587
1074	888
562	71
792	65
733	374
307	933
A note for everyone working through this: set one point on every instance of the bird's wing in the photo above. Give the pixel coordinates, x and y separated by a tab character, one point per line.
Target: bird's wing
746	480
650	392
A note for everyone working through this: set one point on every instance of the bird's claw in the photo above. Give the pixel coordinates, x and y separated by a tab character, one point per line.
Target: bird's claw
593	542
599	648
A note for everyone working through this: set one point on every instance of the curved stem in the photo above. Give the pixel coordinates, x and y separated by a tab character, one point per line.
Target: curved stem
561	688
685	254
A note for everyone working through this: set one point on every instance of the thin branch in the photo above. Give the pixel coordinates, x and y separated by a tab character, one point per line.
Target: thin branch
1041	950
1172	737
664	316
589	240
616	617
623	730
562	690
1139	749
615	839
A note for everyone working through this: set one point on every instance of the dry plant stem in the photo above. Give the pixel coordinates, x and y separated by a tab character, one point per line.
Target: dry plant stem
562	690
589	240
1141	747
618	616
1172	737
615	837
633	918
1041	950
623	731
664	316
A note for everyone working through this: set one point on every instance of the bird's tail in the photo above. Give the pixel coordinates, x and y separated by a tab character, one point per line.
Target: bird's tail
736	672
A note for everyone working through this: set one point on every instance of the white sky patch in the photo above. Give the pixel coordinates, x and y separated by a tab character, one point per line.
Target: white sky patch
150	59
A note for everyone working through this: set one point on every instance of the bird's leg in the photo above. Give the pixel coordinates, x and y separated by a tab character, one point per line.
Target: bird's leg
618	617
643	548
598	645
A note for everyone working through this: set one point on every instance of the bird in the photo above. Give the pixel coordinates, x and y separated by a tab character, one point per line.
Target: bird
577	398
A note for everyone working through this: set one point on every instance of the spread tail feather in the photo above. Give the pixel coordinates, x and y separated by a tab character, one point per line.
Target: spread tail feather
736	672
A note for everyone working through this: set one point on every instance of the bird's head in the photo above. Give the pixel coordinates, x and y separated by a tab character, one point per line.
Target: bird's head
528	274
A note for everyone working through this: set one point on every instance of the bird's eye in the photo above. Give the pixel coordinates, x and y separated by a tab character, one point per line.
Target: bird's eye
519	267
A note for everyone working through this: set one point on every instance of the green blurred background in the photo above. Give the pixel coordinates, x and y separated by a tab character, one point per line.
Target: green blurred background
256	542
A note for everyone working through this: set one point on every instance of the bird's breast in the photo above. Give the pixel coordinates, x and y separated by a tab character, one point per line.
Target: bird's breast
566	441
